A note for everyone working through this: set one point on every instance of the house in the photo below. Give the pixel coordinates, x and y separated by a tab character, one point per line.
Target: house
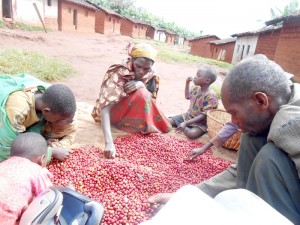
263	41
179	40
151	31
222	50
76	15
200	46
133	28
107	21
25	12
160	35
170	36
287	53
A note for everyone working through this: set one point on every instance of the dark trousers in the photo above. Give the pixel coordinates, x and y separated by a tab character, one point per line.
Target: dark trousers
265	170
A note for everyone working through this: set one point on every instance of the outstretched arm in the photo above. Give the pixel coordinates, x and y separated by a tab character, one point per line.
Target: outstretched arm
110	149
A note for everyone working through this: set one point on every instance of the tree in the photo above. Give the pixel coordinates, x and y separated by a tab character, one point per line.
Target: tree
291	8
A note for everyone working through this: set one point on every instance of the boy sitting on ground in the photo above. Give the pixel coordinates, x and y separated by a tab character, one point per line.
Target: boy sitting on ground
28	104
202	99
23	176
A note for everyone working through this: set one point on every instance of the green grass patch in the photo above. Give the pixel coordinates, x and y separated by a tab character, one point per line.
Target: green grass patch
2	24
173	56
24	26
15	61
217	89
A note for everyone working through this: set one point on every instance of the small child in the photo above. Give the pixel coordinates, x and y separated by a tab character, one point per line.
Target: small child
202	98
23	176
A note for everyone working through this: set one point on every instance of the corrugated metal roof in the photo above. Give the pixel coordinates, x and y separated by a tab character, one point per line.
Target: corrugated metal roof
204	36
283	18
83	3
136	21
108	11
223	41
260	31
166	31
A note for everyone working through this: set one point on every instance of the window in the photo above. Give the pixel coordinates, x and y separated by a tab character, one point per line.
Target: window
142	27
238	48
248	49
86	13
49	3
69	10
242	54
135	26
216	50
109	19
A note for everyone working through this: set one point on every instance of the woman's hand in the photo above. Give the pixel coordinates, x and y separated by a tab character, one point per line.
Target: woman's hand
110	151
133	85
189	79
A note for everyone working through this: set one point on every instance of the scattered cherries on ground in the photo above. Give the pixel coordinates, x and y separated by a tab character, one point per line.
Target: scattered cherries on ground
145	165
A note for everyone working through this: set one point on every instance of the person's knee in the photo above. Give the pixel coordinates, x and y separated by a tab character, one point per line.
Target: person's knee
193	133
267	157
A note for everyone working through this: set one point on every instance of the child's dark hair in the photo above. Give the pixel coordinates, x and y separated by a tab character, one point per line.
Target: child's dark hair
60	99
29	145
210	73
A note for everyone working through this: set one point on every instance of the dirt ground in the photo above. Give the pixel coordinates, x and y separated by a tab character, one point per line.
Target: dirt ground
91	55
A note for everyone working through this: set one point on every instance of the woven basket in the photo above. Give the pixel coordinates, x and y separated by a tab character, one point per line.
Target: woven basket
215	121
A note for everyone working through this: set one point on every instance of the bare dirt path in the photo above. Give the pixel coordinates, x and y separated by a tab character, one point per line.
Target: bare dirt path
91	55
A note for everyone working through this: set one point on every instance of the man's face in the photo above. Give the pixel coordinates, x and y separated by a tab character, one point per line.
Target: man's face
141	67
248	115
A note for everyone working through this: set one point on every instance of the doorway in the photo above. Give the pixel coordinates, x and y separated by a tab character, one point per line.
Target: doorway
7	9
75	19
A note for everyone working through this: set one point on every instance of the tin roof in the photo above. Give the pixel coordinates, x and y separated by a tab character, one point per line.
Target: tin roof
136	21
83	3
223	41
108	11
283	18
260	31
204	36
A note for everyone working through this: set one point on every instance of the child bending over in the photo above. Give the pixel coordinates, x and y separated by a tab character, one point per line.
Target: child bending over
23	176
202	99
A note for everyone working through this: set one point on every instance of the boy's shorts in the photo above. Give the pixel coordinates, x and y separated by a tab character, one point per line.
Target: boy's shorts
177	119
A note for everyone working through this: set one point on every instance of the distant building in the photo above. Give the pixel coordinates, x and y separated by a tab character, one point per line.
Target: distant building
107	21
263	41
160	35
287	53
200	46
222	50
24	11
76	15
133	28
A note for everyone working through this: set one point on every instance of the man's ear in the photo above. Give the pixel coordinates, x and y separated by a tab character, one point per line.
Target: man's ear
261	100
207	81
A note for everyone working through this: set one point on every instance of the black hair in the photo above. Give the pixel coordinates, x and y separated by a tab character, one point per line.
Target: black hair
60	99
29	145
209	72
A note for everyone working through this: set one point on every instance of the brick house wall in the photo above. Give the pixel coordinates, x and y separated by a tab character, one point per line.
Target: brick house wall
201	47
170	38
287	53
227	48
66	19
106	23
150	32
132	29
267	44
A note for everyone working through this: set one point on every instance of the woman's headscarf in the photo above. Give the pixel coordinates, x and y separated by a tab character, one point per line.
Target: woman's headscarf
143	50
